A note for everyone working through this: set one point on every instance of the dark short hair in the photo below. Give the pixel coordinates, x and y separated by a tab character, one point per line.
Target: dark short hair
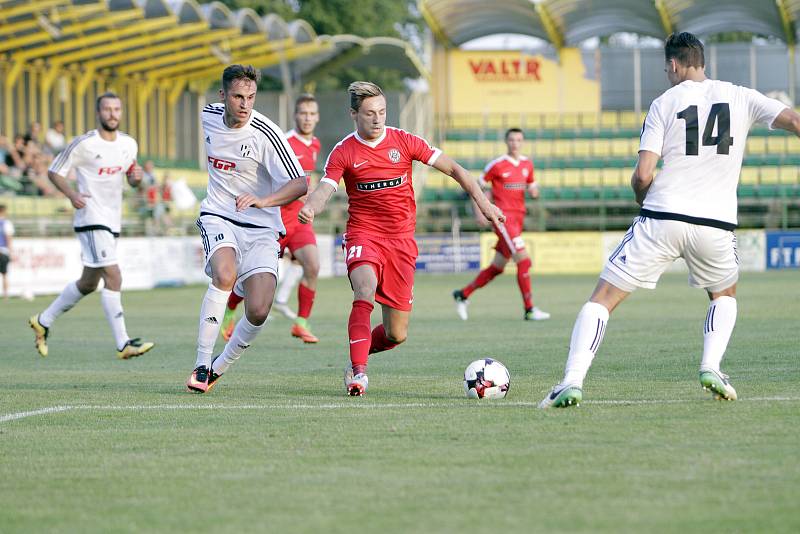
239	72
513	130
2	208
686	49
107	94
302	99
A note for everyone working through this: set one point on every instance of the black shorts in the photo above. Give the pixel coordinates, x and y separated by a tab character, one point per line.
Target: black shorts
4	259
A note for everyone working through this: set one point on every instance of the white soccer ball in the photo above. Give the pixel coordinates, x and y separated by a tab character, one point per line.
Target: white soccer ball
486	379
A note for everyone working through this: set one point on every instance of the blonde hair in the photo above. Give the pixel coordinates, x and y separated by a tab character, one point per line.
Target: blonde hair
360	91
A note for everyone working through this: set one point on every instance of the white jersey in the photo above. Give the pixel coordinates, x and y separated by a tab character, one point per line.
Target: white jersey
255	158
700	131
100	167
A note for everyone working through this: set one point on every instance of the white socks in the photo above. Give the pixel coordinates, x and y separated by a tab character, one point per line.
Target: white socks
717	330
211	312
64	302
243	336
288	281
112	306
587	334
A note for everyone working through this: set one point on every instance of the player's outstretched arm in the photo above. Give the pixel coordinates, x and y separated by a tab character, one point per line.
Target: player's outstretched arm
788	120
291	190
643	174
316	202
451	168
77	199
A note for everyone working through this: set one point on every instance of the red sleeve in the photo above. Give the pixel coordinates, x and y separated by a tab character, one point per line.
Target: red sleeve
419	149
335	165
488	172
530	176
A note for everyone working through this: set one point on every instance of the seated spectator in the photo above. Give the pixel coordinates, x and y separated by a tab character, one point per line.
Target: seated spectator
54	140
34	133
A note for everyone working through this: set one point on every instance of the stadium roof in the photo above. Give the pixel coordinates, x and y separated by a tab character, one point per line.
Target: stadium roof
568	22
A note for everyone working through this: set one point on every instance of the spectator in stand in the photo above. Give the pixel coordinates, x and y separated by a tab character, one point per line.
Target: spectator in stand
34	133
54	140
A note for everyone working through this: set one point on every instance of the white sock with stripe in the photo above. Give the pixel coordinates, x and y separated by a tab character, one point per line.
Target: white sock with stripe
717	330
64	302
112	306
587	334
243	335
211	312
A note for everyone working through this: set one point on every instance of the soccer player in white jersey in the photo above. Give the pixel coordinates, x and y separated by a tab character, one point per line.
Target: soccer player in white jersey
252	171
699	128
101	158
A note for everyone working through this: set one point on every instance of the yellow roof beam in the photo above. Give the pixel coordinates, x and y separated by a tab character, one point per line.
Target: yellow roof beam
137	28
160	61
666	19
263	60
198	30
120	45
786	22
56	14
554	33
434	25
30	7
106	20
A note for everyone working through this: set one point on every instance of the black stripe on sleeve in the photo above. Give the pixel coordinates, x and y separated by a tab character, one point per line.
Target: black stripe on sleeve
280	148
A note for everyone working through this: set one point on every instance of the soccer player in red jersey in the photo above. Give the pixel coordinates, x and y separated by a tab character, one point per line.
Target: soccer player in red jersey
380	250
509	175
300	238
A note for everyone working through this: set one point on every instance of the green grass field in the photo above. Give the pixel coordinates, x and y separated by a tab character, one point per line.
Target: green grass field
278	447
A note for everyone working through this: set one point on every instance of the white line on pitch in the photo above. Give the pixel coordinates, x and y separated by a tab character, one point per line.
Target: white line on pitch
353	405
43	411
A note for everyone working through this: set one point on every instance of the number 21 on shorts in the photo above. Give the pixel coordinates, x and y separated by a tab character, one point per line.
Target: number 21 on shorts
354	252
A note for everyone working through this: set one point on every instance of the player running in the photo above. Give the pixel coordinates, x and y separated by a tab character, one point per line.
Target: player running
699	128
380	250
510	175
251	172
299	238
102	159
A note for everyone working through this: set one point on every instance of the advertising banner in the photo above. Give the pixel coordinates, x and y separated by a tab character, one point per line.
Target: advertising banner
783	250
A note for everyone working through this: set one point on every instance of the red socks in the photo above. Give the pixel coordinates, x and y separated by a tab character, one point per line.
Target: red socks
305	300
524	281
380	342
234	300
483	278
358	330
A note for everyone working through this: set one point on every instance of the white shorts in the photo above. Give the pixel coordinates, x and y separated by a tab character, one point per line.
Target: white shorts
98	248
651	245
256	248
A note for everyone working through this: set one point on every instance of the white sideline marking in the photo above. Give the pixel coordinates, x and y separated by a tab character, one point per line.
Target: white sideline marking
353	405
23	415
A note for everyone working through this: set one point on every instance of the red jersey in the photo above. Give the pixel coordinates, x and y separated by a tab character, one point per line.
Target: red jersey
509	179
306	152
377	175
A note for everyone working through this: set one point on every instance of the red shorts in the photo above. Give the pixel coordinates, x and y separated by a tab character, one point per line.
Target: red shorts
394	261
297	236
514	229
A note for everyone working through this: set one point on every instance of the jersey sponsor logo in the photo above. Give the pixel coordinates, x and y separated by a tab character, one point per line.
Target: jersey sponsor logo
109	170
394	155
221	164
357	165
514	186
381	184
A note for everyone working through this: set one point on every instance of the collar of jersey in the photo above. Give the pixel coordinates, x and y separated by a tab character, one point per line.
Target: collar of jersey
371	144
514	162
293	133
